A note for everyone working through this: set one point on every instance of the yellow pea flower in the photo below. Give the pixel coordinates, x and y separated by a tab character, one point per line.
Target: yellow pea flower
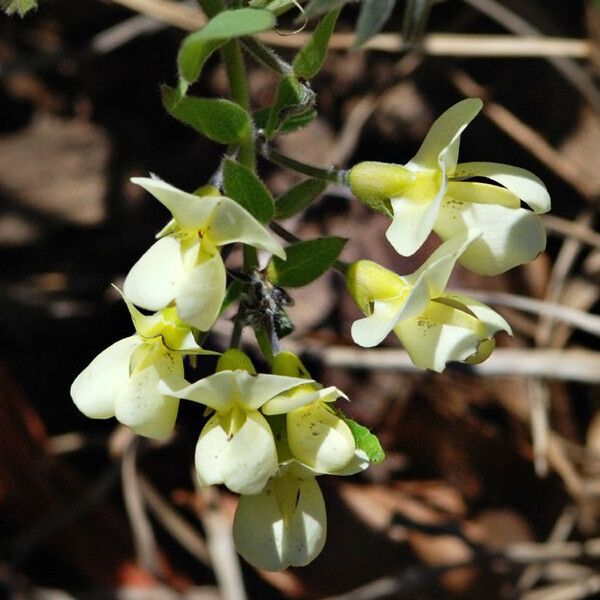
123	380
184	266
429	193
435	326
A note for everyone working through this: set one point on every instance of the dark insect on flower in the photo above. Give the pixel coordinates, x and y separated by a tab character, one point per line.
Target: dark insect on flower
263	304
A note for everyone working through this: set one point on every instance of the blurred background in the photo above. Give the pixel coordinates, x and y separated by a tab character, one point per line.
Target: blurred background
491	487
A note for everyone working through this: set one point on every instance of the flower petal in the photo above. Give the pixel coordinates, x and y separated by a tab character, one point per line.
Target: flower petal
231	223
481	193
436	270
285	403
319	438
271	540
372	330
254	391
509	236
154	280
139	403
440	335
521	182
201	293
444	134
243	461
258	530
491	321
215	391
94	389
190	211
414	215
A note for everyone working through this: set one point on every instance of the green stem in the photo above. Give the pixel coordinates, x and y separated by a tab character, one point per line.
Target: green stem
266	56
333	174
238	82
236	72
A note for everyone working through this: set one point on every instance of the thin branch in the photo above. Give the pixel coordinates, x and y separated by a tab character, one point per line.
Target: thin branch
572	229
220	546
570	365
146	548
579	78
580	319
174	523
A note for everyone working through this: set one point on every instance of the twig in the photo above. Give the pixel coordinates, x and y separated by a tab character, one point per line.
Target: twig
570	365
574	229
220	546
567	591
174	523
563	264
579	78
540	426
560	532
146	549
436	44
580	319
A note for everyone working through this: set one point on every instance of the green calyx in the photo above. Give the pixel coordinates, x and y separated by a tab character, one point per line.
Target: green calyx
374	183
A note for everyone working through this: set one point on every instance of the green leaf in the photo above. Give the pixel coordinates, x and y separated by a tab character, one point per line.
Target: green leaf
365	440
306	261
373	16
229	24
310	58
261	118
416	15
319	7
298	198
22	7
243	186
293	100
220	120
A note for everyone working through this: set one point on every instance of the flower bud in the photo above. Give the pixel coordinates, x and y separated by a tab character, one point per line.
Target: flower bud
375	183
366	280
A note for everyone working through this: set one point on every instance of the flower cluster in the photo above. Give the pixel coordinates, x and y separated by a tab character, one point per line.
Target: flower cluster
483	227
269	435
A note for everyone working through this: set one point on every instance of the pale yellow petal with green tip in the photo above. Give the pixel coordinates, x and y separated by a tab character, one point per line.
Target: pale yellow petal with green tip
238	450
285	525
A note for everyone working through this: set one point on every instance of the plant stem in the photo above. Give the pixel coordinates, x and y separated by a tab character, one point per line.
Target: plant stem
266	56
333	174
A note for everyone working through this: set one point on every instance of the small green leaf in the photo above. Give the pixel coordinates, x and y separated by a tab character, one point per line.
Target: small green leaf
365	440
414	26
229	24
261	117
298	198
319	7
293	100
220	120
243	186
306	261
373	16
22	7
310	58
